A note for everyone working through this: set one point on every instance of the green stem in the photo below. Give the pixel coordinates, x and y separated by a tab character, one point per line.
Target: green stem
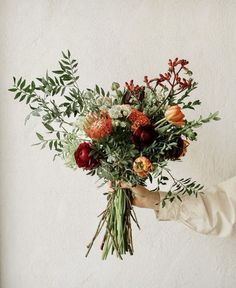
158	123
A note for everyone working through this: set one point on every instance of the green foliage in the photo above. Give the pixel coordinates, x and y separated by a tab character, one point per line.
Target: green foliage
180	188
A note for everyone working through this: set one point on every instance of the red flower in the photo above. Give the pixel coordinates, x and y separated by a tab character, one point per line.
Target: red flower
82	157
144	136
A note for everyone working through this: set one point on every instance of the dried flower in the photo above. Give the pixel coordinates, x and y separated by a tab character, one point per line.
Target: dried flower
98	125
175	116
142	166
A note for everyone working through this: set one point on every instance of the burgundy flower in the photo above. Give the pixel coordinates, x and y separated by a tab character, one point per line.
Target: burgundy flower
144	135
82	157
176	152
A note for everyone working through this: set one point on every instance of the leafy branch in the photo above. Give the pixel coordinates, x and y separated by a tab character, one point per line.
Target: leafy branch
182	187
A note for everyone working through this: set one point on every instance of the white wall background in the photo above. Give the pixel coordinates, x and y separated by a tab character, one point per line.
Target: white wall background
48	212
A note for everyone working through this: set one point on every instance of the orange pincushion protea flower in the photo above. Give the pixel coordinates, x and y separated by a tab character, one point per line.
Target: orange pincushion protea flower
138	119
142	166
98	125
175	116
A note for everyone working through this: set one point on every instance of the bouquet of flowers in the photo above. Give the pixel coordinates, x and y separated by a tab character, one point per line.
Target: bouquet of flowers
129	133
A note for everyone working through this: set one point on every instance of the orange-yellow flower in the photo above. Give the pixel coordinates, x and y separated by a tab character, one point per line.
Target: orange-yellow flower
175	116
138	119
98	125
142	166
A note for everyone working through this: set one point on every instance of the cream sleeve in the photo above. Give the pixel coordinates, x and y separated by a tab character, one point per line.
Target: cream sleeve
213	212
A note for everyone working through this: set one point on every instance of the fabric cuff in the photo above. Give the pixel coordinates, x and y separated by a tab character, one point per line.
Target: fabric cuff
170	211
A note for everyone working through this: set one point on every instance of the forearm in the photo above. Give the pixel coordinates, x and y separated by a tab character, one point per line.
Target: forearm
152	201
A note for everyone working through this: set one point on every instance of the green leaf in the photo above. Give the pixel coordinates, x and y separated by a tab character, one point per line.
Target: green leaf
22	97
50	145
32	85
68	98
12	89
44	145
28	99
103	92
58	135
19	81
65	62
49	127
35	112
39	136
64	55
62	66
97	89
58	72
22	84
27	118
75	65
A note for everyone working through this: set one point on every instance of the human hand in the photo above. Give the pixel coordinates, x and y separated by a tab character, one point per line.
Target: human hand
142	197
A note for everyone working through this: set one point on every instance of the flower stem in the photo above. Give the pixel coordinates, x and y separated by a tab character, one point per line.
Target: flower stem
160	122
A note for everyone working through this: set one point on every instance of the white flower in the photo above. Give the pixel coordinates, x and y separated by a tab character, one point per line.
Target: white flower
79	123
70	144
119	111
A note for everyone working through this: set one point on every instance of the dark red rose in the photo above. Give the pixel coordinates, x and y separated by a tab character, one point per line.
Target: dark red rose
144	135
82	157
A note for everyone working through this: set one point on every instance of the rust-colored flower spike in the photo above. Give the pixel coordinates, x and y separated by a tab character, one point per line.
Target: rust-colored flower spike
177	61
131	87
184	84
142	166
146	81
98	125
175	116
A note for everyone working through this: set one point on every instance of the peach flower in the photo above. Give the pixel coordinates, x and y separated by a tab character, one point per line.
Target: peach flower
175	116
142	166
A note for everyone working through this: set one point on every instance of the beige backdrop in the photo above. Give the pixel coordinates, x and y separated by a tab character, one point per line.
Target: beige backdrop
48	212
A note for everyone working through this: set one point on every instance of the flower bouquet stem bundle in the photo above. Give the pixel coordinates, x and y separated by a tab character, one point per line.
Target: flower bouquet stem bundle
128	134
117	217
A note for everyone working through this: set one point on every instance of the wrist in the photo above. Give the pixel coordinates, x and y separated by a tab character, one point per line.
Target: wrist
152	200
